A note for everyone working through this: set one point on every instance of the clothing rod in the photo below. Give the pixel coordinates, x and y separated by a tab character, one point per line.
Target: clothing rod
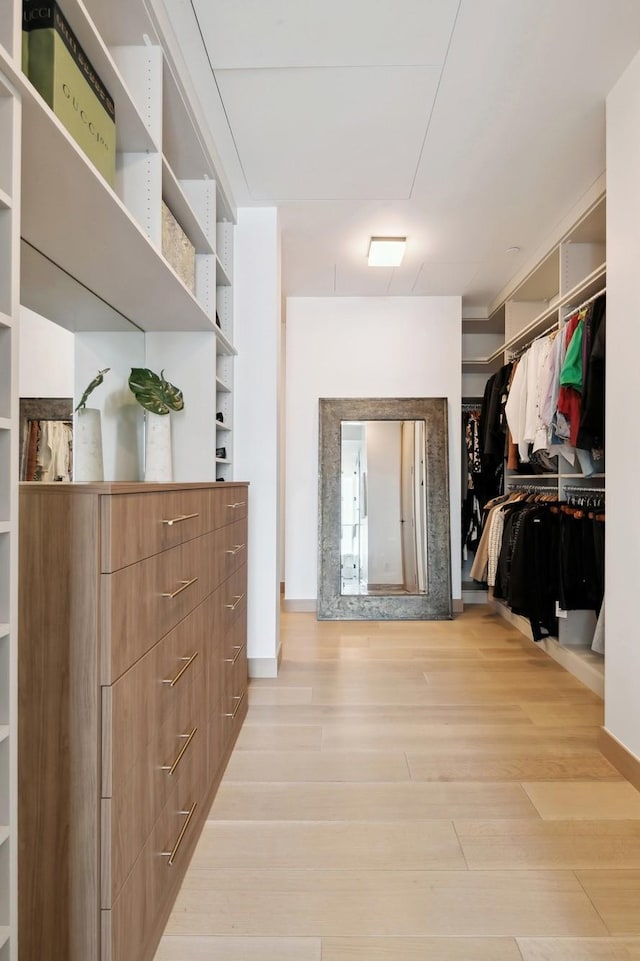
586	490
574	310
555	324
525	347
533	487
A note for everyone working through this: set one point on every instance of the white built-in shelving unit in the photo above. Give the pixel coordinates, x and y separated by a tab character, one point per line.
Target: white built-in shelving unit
90	259
9	306
110	240
573	271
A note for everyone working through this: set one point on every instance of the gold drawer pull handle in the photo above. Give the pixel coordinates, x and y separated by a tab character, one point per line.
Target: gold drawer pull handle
238	649
172	681
238	598
237	504
173	852
235	550
178	520
239	698
185	585
189	738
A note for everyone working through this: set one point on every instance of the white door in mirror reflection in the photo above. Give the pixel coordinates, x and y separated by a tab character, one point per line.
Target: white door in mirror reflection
383	547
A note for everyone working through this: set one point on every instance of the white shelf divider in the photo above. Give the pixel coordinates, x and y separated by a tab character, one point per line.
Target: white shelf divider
5	630
222	387
222	277
175	198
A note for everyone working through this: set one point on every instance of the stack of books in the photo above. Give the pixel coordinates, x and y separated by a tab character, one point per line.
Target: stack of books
59	69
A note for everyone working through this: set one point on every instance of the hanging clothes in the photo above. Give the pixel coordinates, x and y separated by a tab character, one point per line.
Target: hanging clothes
472	474
592	417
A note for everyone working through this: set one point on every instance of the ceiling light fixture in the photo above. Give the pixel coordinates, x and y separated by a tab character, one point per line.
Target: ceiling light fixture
386	251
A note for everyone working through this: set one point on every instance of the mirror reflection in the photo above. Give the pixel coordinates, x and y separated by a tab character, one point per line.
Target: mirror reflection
383	539
67	334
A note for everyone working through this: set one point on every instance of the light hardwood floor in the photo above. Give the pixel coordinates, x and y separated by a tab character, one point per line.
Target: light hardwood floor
415	791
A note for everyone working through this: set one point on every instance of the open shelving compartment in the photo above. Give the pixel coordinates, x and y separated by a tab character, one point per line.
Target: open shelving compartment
572	272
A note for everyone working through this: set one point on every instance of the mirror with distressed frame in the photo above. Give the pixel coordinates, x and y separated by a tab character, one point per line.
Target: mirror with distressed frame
384	540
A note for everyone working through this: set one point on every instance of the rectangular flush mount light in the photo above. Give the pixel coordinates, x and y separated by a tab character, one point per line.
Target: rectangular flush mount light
386	251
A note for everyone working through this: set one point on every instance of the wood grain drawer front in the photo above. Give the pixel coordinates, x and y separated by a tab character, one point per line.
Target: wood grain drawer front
235	638
144	602
234	600
135	526
231	504
133	926
233	553
179	752
235	699
150	693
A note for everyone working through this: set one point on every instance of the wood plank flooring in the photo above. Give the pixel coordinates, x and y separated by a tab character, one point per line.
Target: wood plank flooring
408	791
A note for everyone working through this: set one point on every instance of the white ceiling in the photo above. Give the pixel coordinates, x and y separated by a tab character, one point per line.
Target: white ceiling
467	125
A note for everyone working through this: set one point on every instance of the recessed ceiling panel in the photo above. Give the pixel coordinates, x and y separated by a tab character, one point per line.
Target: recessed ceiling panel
438	280
321	134
360	280
294	33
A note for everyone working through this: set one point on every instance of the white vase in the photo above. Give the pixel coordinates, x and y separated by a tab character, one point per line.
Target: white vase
158	465
87	446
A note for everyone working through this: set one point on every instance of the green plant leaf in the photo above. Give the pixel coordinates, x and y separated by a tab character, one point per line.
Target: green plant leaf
97	380
153	392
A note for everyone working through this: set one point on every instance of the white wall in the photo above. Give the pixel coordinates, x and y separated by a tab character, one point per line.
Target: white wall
189	362
46	357
121	415
361	347
622	675
384	455
257	422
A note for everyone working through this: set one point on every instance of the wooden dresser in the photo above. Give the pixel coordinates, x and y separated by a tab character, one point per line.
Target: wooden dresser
132	690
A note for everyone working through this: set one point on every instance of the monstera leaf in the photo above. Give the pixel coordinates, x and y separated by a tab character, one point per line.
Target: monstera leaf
153	392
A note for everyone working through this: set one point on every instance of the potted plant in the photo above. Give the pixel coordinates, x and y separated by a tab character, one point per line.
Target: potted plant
87	436
158	398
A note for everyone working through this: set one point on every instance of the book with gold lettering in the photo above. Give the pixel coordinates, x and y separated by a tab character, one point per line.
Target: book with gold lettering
60	71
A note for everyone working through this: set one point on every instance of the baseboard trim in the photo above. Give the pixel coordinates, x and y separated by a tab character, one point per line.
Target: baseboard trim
579	661
621	757
457	605
300	606
475	597
265	666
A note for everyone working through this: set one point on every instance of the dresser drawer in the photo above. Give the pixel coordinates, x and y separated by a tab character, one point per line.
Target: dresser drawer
235	638
233	601
233	555
144	602
138	703
230	504
133	926
235	693
178	751
135	526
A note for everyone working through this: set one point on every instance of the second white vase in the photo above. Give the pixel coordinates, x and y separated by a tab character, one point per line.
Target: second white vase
158	460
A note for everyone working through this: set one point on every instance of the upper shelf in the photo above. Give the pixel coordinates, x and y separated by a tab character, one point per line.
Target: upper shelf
573	271
106	249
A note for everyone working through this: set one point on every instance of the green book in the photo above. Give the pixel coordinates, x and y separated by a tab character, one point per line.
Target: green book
60	71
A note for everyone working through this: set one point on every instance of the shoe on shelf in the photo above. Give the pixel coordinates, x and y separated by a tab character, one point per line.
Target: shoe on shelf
221	452
220	417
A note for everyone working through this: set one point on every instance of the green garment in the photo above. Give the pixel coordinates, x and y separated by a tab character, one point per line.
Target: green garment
571	373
